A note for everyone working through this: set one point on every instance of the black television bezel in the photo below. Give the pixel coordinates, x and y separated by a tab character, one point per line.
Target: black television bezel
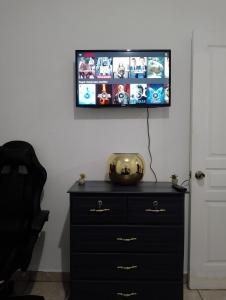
119	105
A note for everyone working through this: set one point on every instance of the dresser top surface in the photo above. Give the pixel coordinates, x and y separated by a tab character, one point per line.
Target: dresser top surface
109	187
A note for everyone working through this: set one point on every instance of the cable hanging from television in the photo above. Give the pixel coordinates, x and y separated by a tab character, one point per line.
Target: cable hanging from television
149	146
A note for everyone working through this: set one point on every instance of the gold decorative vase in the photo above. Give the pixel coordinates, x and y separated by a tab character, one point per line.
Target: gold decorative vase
126	168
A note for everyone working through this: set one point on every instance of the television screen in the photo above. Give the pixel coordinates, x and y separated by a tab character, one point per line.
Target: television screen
139	78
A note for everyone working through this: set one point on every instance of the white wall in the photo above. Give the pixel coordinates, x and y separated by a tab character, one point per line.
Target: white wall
37	43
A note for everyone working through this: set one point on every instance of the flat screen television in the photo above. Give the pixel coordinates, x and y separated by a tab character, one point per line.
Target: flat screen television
116	78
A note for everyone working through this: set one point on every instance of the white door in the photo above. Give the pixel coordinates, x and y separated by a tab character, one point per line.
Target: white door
208	136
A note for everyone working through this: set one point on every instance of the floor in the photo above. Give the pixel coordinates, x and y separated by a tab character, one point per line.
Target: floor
60	291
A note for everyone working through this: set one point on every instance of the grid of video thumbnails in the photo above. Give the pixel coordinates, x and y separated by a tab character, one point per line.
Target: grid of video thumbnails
123	80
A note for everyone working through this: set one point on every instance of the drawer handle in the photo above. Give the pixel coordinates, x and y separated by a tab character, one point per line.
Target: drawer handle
155	210
126	294
127	268
99	210
126	239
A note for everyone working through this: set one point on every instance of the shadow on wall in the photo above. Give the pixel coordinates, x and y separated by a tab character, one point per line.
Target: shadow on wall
39	245
64	245
25	282
37	253
120	113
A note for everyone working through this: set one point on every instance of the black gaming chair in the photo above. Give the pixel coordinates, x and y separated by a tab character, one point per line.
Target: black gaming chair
22	178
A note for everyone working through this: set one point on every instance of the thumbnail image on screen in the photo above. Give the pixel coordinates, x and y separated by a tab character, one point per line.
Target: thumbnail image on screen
121	67
104	67
138	67
86	67
87	94
123	78
155	67
138	93
121	94
104	94
155	94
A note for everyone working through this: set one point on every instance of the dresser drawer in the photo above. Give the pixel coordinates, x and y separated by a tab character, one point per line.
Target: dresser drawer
116	290
132	238
98	210
127	266
156	210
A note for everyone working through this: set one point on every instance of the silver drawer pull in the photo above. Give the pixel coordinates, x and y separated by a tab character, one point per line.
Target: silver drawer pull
99	210
127	268
126	239
155	210
126	294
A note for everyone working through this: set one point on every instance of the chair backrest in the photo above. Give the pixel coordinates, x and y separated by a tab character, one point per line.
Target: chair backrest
22	178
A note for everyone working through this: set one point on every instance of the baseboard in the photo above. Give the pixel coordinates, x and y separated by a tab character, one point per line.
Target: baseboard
42	276
185	278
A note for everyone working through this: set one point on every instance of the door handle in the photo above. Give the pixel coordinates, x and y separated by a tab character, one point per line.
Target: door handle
199	175
99	210
126	294
127	268
126	239
155	210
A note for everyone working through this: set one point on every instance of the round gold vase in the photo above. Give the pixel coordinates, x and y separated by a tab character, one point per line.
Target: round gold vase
126	168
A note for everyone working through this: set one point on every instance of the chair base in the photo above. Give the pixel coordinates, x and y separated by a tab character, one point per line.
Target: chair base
6	289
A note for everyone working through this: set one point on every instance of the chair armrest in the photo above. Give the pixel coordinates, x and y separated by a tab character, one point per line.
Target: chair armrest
39	220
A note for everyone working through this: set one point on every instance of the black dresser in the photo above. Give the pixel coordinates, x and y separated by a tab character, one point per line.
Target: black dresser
126	241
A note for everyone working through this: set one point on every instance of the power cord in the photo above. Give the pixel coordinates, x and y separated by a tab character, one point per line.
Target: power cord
149	146
183	182
186	182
